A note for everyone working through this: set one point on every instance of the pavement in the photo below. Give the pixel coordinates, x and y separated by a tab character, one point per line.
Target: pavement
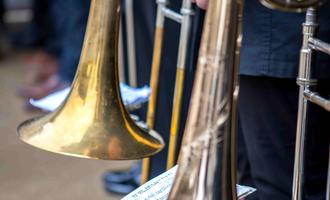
28	173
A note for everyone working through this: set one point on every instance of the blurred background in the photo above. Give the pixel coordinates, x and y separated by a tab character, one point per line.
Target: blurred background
36	59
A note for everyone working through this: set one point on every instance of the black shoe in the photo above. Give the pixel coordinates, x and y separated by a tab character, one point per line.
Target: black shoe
122	182
123	188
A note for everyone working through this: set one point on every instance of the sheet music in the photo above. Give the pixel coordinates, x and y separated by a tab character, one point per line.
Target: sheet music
159	188
131	96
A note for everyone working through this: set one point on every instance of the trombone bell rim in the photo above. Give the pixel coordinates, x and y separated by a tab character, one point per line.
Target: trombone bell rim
292	5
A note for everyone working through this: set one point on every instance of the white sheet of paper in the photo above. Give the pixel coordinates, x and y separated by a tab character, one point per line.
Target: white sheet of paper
130	96
159	188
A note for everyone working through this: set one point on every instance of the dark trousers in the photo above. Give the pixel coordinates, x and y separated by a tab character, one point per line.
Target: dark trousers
267	115
70	20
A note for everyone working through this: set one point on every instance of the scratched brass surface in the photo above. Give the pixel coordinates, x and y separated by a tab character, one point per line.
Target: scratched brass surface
206	164
93	122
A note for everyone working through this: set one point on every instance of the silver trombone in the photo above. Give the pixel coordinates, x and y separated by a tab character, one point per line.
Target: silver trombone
305	81
306	95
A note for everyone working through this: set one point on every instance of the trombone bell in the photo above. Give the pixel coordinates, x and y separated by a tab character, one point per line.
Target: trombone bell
292	5
93	122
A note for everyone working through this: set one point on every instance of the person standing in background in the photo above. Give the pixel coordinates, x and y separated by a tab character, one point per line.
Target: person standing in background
58	59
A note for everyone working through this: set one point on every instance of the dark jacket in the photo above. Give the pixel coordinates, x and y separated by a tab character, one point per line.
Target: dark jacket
272	41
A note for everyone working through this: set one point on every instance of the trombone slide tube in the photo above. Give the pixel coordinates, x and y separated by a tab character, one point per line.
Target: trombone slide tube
317	99
304	81
319	45
179	82
131	43
154	80
175	122
172	15
185	20
300	145
328	184
155	68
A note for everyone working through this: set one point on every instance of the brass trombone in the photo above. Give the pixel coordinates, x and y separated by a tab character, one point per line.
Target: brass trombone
93	122
207	161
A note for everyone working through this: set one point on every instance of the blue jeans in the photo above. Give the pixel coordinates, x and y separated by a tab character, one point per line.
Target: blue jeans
70	20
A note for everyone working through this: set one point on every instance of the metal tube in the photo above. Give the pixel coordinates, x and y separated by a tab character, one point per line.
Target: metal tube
236	88
304	81
154	80
180	76
172	15
319	45
131	43
300	143
328	185
317	99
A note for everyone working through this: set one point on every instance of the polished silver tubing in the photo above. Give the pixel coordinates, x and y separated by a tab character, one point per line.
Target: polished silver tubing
132	73
317	99
319	45
186	14
172	15
304	81
328	185
185	11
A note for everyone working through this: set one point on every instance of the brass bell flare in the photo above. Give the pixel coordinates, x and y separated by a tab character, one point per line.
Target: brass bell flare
93	122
